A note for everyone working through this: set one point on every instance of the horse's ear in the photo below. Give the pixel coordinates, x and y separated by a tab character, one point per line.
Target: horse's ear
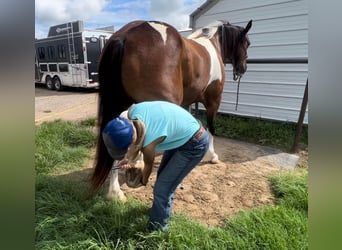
248	27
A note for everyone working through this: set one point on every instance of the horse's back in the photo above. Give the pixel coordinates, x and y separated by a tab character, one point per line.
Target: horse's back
151	65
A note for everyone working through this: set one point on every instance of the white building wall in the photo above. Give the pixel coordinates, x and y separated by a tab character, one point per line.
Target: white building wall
279	30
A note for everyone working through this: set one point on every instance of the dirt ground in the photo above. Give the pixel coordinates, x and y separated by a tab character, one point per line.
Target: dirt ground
211	192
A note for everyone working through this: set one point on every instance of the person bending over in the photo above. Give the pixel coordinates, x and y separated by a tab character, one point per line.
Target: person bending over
158	126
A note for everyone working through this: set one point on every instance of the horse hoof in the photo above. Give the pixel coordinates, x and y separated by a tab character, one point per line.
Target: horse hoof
120	196
214	159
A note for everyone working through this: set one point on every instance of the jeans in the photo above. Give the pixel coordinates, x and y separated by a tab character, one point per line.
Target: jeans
175	165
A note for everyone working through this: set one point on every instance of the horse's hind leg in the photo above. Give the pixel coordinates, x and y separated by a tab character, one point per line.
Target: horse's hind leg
114	185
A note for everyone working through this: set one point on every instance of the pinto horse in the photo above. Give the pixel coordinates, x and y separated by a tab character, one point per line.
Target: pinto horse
150	60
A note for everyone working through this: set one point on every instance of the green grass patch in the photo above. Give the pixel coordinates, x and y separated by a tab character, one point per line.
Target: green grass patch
268	228
291	190
260	131
62	146
284	226
67	218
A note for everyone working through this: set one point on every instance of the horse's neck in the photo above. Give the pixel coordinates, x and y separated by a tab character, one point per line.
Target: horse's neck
218	46
202	64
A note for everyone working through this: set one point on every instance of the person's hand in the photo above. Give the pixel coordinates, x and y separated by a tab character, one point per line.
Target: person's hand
125	164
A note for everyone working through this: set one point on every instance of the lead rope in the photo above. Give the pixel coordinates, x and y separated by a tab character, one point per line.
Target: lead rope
237	94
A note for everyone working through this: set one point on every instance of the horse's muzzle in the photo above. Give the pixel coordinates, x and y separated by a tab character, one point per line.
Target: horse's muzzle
239	71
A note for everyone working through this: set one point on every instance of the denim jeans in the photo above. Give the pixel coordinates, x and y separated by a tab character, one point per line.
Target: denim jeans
174	166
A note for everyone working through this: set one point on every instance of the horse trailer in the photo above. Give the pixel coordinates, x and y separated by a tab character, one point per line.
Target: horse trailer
69	56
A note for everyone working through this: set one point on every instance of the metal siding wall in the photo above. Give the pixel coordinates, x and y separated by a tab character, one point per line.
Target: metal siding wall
280	30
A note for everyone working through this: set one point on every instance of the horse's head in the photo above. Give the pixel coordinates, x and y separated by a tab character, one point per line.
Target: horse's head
234	44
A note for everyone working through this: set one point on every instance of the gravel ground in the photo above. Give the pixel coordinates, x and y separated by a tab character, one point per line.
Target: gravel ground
71	104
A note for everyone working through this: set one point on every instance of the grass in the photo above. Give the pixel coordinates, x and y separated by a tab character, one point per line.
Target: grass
66	218
291	190
264	132
62	146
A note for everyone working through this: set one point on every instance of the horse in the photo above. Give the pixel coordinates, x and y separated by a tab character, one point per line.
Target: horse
150	60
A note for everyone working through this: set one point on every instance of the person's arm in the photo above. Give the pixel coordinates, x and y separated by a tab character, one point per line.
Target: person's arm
149	154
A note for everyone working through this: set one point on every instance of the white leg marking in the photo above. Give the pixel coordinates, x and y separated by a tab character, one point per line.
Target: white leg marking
214	156
161	29
114	186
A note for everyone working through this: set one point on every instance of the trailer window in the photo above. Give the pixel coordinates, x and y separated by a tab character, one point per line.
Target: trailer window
43	67
53	67
63	67
61	51
41	53
93	39
51	52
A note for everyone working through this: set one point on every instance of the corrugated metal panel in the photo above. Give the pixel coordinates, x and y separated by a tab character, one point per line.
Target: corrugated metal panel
185	33
280	30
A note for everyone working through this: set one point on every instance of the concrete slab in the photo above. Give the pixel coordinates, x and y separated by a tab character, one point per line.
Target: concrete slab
237	152
281	160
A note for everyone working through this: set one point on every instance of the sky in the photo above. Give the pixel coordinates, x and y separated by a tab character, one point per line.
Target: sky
101	13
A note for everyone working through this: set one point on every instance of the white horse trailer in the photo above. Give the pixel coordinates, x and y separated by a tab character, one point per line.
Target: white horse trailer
69	56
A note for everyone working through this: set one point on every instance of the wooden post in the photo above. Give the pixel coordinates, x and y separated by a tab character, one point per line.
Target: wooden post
300	119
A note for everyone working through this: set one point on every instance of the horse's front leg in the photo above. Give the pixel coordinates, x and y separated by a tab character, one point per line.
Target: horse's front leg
213	156
212	105
114	185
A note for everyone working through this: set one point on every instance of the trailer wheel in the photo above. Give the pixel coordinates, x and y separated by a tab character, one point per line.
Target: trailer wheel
57	84
49	83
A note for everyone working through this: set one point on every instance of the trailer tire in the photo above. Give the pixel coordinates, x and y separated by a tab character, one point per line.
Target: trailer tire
49	83
57	84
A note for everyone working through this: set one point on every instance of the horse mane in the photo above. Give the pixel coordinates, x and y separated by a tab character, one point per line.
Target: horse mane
230	36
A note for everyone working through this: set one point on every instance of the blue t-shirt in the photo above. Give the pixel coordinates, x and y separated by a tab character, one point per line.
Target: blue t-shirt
165	119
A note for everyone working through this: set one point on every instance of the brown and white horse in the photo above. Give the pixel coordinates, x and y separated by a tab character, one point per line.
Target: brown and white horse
150	60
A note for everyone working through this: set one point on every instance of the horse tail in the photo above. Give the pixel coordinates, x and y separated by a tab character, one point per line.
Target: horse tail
112	101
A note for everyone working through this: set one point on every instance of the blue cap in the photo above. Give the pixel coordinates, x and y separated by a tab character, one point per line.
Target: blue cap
117	136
